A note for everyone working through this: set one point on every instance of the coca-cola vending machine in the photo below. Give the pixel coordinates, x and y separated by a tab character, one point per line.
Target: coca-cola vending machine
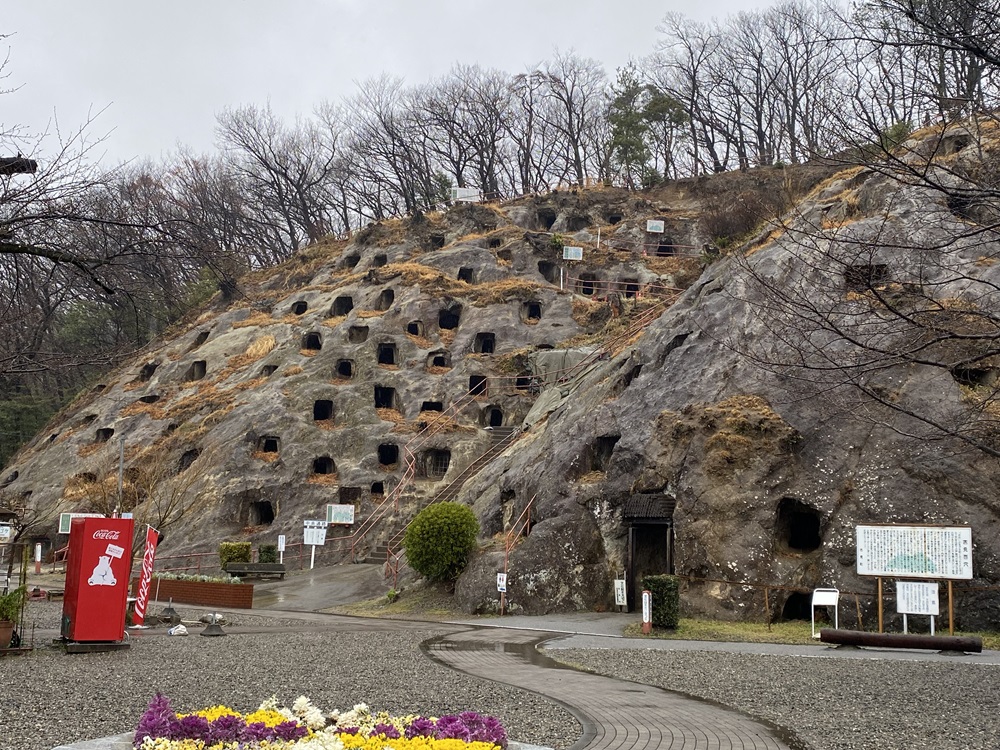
97	577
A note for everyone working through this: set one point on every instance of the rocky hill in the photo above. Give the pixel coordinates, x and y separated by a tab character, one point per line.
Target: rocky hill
650	403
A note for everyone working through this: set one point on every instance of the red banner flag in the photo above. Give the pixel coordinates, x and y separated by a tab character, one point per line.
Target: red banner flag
146	576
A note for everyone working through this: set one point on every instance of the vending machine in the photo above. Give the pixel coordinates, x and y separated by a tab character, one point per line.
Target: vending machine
97	576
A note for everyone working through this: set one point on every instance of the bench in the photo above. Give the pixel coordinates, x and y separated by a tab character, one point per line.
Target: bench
256	570
52	594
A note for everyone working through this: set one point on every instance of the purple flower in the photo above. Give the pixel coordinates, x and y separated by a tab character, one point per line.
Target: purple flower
420	727
257	731
347	730
289	731
492	731
388	730
190	728
226	728
451	728
158	720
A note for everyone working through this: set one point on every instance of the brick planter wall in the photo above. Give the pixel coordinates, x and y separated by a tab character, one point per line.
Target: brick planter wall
237	595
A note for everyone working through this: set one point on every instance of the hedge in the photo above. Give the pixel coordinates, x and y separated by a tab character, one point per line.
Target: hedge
666	599
230	552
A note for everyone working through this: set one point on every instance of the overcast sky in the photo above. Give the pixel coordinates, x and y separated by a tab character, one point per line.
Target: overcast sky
158	71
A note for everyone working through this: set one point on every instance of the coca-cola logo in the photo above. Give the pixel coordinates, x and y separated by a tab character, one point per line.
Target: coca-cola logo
107	534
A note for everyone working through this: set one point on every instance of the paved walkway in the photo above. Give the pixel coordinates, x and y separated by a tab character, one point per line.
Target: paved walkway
614	714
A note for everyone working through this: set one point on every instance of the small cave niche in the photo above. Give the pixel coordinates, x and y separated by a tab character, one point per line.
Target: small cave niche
436	241
631	288
631	375
385	397
349	495
435	463
260	513
492	416
431	406
963	205
614	218
147	370
151	398
322	410
665	248
385	300
99	387
324	465
548	271
587	284
312	341
187	458
861	278
350	261
494	243
798	606
387	354
477	384
466	274
797	526
546	218
299	307
388	455
378	489
380	260
439	358
975	377
601	450
357	334
522	382
268	443
200	339
104	434
415	328
450	317
196	371
10	478
485	343
577	223
531	311
344	369
268	370
88	419
342	306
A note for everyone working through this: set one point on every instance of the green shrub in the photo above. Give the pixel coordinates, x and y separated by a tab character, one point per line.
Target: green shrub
268	553
234	552
440	539
666	599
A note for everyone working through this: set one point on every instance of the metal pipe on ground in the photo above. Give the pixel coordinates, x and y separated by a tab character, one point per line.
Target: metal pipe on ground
969	644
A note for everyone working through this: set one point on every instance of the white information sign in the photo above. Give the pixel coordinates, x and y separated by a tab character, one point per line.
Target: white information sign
281	542
502	582
914	598
654	226
66	520
340	513
571	252
621	599
466	195
915	551
6	533
314	533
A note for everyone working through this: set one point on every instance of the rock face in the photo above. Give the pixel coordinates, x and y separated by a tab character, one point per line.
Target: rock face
676	445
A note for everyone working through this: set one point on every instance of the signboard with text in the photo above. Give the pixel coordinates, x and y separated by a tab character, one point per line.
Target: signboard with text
65	519
913	598
314	533
572	252
654	226
340	513
915	551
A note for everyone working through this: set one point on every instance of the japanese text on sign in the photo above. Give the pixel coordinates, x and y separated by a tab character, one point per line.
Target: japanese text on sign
314	533
914	598
915	551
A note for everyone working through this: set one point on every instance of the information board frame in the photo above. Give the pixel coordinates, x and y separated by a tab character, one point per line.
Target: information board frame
911	551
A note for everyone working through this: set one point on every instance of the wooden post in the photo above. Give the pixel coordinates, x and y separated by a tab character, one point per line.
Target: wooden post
857	606
880	605
767	609
951	611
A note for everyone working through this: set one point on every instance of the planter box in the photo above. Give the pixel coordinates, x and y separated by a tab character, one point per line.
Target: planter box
207	594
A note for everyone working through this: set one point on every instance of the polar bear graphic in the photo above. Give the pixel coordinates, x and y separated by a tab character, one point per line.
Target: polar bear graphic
102	575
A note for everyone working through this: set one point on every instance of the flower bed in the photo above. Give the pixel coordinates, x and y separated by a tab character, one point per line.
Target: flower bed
305	727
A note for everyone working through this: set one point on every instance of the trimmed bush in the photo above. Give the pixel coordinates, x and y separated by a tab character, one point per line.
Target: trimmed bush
440	540
230	552
267	553
666	600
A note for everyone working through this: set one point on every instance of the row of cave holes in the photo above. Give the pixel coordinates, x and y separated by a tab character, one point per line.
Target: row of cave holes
433	463
588	284
261	512
385	398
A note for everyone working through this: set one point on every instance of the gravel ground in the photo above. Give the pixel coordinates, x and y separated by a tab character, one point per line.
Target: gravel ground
48	697
832	704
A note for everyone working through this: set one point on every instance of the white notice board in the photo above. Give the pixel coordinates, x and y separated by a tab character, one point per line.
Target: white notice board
915	551
314	533
654	226
914	598
572	252
340	513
